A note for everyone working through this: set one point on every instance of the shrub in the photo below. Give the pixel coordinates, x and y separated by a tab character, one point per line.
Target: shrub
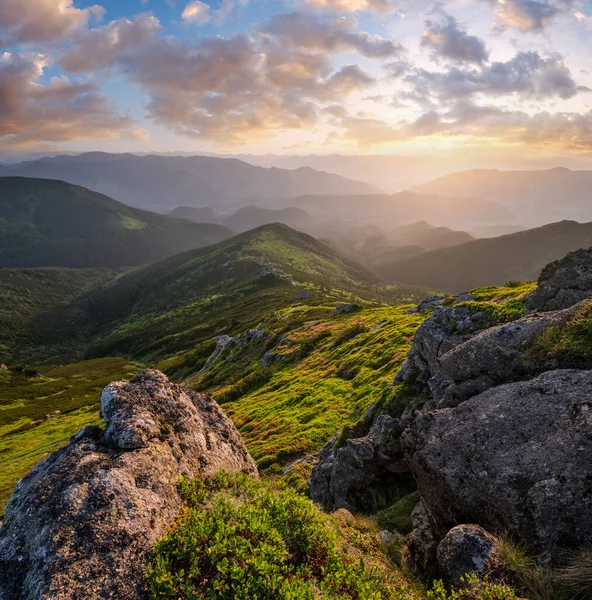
240	538
474	589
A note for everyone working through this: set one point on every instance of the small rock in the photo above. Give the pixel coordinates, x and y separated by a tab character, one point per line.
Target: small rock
466	549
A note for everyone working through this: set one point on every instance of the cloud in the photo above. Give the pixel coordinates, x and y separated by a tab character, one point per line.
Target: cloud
57	111
196	12
527	75
305	30
563	131
200	12
238	88
350	6
446	39
96	48
42	20
529	15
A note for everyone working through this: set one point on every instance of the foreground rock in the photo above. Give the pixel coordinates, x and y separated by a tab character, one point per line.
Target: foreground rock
516	458
365	473
564	282
80	526
467	549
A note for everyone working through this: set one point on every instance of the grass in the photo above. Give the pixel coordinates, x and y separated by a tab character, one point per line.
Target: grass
39	414
327	370
567	346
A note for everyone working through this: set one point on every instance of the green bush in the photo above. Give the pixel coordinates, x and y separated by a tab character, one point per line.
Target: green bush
239	538
474	589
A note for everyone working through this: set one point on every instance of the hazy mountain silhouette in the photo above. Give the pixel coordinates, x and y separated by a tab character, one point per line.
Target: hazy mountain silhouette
52	223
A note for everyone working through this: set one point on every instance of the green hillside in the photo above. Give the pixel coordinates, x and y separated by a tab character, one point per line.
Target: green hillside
51	223
171	306
518	256
27	293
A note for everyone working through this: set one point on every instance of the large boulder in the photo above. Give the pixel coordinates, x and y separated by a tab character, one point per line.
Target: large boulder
564	282
516	458
82	523
447	328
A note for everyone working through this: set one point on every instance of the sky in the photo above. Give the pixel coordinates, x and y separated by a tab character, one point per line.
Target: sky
401	77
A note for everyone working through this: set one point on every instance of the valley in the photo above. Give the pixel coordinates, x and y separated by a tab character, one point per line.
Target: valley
301	327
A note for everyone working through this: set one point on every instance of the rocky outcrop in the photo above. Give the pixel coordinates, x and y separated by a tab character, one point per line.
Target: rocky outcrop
365	473
515	458
498	355
504	440
81	524
466	549
564	282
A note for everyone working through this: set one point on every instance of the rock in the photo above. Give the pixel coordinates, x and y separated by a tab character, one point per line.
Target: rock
447	328
82	523
516	458
366	473
495	356
466	549
427	304
422	542
564	282
345	308
268	358
255	334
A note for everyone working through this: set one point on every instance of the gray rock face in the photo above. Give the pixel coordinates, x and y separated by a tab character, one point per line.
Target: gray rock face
81	524
564	282
466	549
444	330
422	542
365	473
515	458
495	356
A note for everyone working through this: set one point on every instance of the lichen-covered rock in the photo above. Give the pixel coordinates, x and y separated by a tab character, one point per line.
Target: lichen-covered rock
564	282
466	549
495	356
515	458
444	330
81	524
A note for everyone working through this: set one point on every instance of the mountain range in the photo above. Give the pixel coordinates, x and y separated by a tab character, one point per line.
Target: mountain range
493	261
161	183
536	198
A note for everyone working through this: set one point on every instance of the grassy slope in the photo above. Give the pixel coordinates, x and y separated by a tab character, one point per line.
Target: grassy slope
169	307
27	293
39	413
45	222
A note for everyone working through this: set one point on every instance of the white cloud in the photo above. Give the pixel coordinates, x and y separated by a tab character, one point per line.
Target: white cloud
42	20
57	111
196	12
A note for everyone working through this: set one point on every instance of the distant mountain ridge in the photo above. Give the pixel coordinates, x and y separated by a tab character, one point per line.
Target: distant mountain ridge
537	197
404	208
44	222
493	261
162	183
